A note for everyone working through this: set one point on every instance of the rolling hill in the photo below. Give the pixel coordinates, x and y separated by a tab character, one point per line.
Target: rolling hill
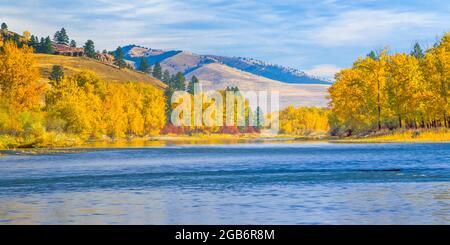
74	65
217	72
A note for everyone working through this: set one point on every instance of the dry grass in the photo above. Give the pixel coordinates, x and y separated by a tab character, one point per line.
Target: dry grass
434	135
73	65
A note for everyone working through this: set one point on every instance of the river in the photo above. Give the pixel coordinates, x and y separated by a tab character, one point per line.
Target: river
276	183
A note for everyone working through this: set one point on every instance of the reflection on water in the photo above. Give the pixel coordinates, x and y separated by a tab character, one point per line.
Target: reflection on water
238	184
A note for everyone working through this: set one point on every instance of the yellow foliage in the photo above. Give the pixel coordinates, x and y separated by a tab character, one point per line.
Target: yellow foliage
393	91
303	120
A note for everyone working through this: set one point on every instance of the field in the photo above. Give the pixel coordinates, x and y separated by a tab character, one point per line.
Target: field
73	65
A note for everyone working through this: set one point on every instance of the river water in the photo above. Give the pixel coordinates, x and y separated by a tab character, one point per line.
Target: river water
318	183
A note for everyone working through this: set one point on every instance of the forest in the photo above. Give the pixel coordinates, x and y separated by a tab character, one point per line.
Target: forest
393	91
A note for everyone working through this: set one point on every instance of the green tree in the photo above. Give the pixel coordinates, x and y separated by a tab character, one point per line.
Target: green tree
157	71
57	73
73	44
144	66
89	49
417	52
166	77
179	82
191	86
119	58
46	46
4	26
61	37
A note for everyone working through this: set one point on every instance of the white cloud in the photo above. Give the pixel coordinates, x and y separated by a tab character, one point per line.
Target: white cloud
370	26
325	71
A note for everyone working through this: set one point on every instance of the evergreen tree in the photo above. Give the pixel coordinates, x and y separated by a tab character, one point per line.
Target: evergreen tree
89	49
61	37
259	117
157	71
57	73
417	52
191	86
73	44
47	47
179	82
373	55
119	58
144	66
166	77
4	26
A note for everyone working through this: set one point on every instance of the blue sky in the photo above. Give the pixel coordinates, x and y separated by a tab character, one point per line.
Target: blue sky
315	36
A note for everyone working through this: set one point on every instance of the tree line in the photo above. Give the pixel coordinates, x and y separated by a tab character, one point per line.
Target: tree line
390	91
84	105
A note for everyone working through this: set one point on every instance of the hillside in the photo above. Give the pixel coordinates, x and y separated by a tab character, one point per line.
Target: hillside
185	62
219	76
74	65
217	72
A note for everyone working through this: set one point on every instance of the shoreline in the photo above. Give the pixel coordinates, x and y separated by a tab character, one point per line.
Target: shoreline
180	140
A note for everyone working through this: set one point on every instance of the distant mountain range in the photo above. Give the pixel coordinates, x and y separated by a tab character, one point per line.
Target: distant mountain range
217	72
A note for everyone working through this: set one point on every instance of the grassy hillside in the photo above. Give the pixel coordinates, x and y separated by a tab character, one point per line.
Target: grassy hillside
74	65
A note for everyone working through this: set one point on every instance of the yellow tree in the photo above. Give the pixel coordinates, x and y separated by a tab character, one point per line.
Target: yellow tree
403	85
437	73
20	86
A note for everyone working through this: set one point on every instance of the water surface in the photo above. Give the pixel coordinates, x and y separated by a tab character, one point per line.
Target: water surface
231	184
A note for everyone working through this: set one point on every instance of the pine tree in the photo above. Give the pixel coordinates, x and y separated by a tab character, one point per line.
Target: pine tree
157	71
61	37
4	26
179	82
73	44
57	73
119	58
417	52
191	86
372	55
144	66
89	49
166	77
47	47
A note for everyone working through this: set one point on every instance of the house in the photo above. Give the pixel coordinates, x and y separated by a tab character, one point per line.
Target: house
105	58
63	49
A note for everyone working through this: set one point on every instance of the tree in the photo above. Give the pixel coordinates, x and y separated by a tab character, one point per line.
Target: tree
417	52
4	26
73	44
179	82
259	120
191	86
57	73
144	66
89	49
372	55
61	37
166	77
119	58
157	71
20	86
46	46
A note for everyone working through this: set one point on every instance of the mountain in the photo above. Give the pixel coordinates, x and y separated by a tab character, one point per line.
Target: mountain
217	72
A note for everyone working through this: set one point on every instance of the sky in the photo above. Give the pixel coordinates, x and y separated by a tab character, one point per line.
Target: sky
319	37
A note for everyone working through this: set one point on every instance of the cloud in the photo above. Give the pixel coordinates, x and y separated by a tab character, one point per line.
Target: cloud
369	26
325	71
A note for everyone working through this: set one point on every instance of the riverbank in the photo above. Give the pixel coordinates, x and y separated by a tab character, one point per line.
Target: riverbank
64	142
400	136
